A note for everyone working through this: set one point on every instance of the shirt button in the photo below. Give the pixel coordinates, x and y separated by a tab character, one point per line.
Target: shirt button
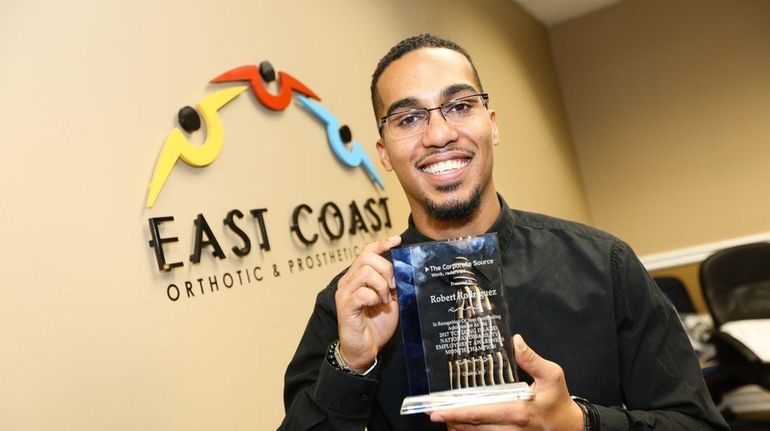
364	397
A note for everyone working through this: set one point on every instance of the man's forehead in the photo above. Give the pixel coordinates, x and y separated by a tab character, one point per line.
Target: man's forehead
425	74
427	63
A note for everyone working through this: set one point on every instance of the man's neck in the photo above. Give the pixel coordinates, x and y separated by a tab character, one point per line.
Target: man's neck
477	223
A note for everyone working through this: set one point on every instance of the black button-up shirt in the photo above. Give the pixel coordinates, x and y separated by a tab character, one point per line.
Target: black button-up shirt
578	296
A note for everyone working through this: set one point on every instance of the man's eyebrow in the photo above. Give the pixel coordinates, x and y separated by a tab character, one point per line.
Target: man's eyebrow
413	102
407	102
453	90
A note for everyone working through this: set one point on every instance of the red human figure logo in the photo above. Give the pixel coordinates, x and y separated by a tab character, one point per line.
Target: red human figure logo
257	77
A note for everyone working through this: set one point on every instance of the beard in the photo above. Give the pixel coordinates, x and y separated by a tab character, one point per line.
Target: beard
454	209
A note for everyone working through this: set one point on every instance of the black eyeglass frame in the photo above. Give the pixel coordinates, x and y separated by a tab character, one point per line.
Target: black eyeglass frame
484	101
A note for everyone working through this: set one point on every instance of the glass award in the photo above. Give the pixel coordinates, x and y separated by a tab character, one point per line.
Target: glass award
454	324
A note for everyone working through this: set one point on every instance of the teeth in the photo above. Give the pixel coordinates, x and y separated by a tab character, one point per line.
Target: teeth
445	166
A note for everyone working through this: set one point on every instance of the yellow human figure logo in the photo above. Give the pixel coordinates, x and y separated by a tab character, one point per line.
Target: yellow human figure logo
177	146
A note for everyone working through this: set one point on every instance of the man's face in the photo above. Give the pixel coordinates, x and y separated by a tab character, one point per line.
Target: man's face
447	170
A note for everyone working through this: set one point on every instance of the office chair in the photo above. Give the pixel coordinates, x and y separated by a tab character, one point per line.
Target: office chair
697	326
736	286
676	293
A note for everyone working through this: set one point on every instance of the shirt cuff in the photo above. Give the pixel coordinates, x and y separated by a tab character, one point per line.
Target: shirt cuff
345	394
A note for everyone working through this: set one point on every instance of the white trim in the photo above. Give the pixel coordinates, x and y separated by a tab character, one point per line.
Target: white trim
688	255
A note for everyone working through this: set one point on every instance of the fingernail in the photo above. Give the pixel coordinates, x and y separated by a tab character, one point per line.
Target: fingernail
393	282
393	238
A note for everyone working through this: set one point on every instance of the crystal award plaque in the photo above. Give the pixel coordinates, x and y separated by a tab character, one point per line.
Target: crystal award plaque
454	323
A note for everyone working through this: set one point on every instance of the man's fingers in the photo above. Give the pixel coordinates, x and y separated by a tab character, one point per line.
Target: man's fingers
371	255
370	279
383	245
371	270
372	252
367	298
369	259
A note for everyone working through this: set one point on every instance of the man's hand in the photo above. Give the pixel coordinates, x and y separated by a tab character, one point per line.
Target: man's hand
367	310
550	409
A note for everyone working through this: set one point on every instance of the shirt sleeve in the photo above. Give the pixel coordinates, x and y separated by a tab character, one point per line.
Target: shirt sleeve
663	386
316	395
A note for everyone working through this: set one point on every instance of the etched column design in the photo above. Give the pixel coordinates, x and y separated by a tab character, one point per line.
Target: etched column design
479	357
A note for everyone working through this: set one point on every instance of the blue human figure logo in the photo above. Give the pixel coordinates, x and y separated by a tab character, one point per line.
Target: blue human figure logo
353	157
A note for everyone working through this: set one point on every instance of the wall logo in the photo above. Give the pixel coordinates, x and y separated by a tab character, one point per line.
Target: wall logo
248	230
177	146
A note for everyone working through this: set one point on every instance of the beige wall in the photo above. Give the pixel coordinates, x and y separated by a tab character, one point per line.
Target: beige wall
91	90
536	167
669	104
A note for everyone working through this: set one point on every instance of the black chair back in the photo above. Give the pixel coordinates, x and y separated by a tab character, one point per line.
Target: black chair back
736	283
674	290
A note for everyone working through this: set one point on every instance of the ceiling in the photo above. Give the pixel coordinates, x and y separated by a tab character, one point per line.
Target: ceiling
552	12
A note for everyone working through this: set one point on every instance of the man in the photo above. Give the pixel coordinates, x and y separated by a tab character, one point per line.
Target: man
579	296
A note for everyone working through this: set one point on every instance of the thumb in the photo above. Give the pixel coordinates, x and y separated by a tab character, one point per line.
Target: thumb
529	361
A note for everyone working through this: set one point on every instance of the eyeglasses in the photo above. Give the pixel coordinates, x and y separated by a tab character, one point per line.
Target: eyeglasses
413	122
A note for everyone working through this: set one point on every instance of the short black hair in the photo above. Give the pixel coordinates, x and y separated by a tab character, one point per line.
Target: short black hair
411	44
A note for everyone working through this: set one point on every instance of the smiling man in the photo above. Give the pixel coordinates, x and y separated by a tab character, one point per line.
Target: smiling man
602	329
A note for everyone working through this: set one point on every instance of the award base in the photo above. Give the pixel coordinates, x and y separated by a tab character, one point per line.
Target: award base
466	397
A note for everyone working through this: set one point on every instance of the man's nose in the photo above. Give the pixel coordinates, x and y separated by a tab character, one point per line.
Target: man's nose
439	131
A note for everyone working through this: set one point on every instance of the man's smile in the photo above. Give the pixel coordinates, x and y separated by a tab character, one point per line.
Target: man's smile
444	162
445	166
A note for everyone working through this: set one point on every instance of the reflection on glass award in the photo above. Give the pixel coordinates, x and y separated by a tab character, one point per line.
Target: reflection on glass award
455	325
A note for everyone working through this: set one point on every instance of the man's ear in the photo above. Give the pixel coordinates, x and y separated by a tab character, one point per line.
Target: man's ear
493	120
384	159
